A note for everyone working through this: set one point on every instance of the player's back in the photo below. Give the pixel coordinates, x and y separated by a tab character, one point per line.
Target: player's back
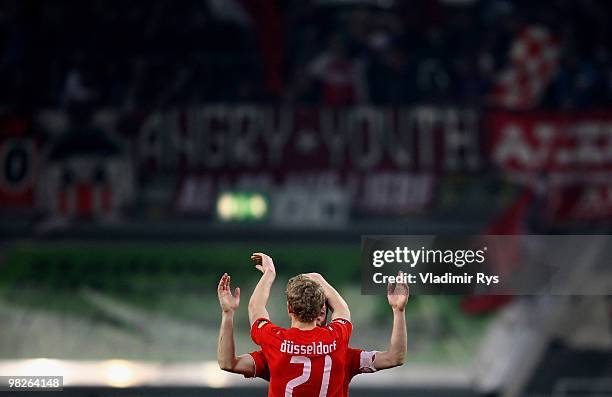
304	363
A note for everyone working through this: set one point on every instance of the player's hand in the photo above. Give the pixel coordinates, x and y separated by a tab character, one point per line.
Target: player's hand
263	263
316	277
397	294
229	303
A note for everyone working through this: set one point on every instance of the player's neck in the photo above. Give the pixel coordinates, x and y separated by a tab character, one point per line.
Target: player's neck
302	326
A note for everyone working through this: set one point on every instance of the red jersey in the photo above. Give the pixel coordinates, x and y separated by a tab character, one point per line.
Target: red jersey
304	363
357	362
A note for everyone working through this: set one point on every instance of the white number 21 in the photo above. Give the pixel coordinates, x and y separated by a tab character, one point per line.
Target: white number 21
306	375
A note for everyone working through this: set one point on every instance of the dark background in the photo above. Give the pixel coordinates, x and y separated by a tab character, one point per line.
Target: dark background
146	147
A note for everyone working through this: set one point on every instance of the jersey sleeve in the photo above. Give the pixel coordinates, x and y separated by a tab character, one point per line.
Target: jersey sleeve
261	365
342	328
353	361
366	361
360	361
262	329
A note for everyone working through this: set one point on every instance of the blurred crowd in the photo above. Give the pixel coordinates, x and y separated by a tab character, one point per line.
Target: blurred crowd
143	54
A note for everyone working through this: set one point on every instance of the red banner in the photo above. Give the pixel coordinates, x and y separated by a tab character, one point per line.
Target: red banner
546	141
569	154
376	161
18	158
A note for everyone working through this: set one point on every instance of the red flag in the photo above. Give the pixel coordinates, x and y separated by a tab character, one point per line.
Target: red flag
510	222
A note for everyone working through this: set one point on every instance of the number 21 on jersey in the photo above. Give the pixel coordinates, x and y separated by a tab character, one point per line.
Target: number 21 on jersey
293	383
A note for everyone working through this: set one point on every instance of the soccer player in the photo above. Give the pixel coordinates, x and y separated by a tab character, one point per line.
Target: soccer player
304	360
358	361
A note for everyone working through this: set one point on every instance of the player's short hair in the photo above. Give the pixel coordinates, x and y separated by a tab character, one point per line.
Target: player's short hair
305	298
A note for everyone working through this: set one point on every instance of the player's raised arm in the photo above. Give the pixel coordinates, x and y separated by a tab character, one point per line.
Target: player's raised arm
397	295
335	301
261	293
226	351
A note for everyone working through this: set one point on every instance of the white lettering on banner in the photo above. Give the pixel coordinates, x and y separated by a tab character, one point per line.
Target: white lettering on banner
400	143
244	131
588	149
333	136
526	145
544	133
195	195
295	206
426	118
413	138
365	128
247	137
515	147
460	138
174	133
372	159
211	142
405	192
276	137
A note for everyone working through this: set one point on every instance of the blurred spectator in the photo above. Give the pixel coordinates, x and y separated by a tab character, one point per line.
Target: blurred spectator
163	53
75	88
341	78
